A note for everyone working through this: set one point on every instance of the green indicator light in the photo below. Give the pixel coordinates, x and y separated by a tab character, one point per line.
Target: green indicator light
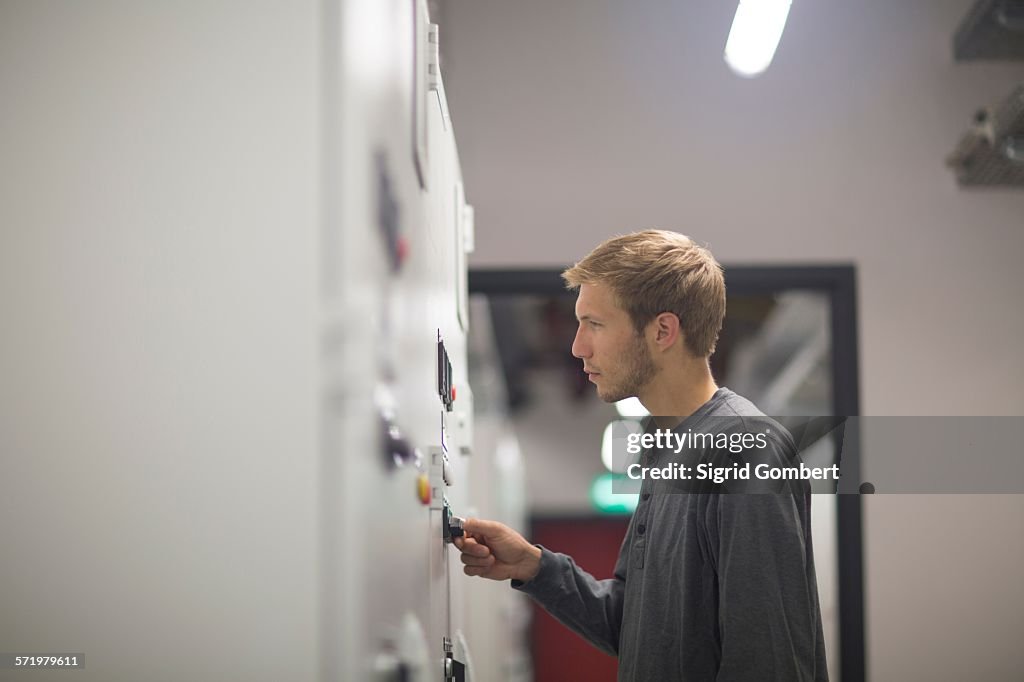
608	502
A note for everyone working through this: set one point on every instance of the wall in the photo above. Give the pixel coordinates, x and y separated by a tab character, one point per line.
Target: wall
584	118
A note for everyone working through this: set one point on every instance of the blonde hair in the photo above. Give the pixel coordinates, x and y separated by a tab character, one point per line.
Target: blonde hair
656	271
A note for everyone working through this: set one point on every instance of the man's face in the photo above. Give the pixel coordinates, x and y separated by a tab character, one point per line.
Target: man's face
614	356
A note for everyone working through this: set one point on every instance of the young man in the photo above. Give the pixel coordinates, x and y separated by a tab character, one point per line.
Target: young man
707	586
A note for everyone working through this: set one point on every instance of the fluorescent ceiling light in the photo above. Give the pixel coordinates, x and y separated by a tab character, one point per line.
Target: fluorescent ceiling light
755	34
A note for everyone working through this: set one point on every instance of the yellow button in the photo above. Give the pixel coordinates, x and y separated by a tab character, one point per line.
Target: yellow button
423	488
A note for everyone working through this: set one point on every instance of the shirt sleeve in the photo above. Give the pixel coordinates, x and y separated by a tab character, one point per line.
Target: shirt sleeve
590	607
766	593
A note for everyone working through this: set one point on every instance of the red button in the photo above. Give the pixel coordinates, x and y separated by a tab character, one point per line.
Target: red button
453	394
403	249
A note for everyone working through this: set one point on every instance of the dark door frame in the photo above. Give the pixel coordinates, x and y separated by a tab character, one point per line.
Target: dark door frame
839	282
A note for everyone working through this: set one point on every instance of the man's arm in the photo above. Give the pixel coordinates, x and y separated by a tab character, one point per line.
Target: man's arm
768	613
590	607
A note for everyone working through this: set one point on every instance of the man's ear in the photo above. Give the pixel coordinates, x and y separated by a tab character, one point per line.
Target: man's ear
666	330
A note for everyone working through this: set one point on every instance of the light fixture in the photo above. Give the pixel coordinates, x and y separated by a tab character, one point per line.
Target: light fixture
756	30
604	498
618	430
631	407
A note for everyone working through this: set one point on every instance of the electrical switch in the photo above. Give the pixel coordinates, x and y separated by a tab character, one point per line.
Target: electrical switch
389	215
445	388
453	670
446	472
437	462
398	451
451	526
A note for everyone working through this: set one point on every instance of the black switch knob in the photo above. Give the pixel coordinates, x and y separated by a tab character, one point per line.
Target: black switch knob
397	450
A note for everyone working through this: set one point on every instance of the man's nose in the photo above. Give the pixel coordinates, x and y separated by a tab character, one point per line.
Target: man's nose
578	347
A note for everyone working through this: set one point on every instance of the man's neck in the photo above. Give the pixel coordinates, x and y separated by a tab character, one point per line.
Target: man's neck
674	395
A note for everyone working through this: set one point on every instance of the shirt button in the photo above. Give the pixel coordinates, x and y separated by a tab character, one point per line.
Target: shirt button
641	529
645	496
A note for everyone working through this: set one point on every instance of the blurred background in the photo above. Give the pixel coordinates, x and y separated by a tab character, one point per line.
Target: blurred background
581	119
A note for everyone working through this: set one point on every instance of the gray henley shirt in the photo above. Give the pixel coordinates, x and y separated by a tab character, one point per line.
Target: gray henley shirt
707	586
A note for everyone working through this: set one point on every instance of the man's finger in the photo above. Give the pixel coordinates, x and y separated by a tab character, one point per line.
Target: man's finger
482	527
470	560
475	570
471	546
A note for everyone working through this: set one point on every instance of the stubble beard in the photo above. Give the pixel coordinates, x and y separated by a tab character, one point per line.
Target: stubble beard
638	370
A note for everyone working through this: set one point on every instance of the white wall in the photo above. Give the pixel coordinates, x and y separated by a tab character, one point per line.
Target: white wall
581	119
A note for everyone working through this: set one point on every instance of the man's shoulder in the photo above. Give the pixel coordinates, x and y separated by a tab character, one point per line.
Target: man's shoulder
730	408
727	402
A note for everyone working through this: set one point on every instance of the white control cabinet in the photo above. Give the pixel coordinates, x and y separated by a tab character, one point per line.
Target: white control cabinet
233	234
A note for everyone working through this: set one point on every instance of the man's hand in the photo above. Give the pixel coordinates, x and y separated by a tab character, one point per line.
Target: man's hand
493	550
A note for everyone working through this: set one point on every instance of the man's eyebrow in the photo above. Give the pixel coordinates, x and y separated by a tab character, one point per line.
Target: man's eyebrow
584	318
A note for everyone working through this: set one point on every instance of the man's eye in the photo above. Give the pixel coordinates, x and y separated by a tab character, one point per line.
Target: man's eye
595	325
